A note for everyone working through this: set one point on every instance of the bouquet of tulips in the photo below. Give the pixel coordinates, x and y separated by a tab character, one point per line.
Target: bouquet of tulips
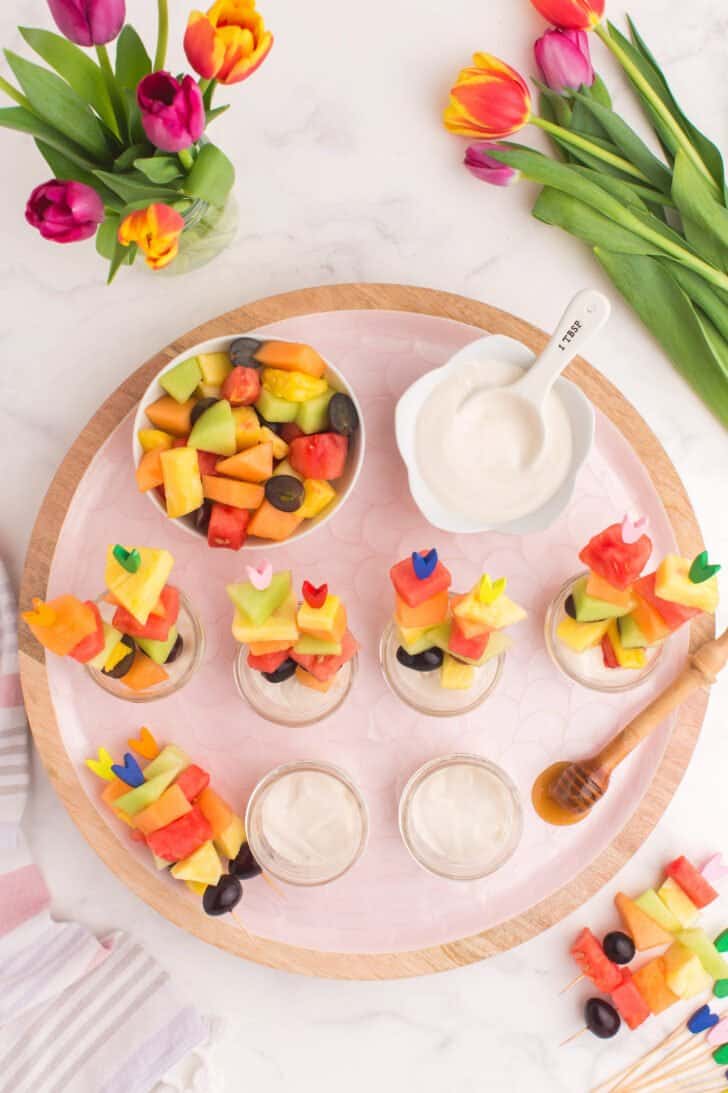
655	217
125	139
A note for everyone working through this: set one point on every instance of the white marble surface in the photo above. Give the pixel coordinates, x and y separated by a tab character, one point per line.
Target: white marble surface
344	175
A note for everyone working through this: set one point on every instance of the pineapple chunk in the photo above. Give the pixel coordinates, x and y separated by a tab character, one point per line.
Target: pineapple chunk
456	676
154	438
672	582
182	481
684	974
138	592
280	448
204	866
229	841
215	367
195	886
678	902
280	626
581	636
247	427
319	619
626	658
502	612
318	495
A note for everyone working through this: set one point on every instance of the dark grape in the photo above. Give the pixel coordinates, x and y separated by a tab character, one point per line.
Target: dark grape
285	492
176	650
283	672
199	408
570	607
619	947
221	898
343	416
245	865
241	352
426	661
124	665
601	1018
201	516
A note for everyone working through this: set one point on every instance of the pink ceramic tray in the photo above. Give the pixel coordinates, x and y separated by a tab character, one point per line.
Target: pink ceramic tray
387	904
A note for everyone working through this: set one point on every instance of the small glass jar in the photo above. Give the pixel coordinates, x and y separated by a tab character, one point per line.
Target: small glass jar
307	823
180	671
291	703
460	817
588	668
422	690
208	231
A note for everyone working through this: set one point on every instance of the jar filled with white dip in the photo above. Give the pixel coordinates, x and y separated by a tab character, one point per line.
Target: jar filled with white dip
306	823
460	817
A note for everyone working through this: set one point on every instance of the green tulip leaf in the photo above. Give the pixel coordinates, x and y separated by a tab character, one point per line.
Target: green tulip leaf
711	301
705	220
22	120
556	110
137	188
627	143
53	100
125	161
215	112
598	92
211	177
694	345
585	122
159	169
133	62
76	68
67	170
134	127
563	211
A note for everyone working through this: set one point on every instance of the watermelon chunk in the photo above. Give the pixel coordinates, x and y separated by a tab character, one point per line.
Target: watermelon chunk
693	884
414	591
672	614
619	563
467	648
157	627
324	668
192	781
268	662
594	963
322	455
608	654
90	646
180	839
628	1001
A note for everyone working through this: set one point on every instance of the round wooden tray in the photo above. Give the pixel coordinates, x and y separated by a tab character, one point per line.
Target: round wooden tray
65	778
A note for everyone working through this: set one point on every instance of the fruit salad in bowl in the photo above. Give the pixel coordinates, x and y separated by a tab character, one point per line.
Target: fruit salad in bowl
248	442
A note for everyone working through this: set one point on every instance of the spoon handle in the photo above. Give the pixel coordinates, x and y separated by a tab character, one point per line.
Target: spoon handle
585	315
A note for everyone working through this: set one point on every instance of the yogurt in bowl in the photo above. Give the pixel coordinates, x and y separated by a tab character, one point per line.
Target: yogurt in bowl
469	451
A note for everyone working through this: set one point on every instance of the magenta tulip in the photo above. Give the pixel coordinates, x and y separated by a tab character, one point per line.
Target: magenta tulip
64	212
173	114
564	59
487	169
89	22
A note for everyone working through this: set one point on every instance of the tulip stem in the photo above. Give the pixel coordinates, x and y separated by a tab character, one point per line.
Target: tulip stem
185	158
14	94
656	104
567	137
162	35
113	88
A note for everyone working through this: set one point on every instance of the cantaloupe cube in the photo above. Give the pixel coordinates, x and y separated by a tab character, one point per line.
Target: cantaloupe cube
680	904
649	622
600	589
112	792
72	622
455	676
216	811
241	495
684	974
203	866
182	482
144	673
262	648
270	523
170	416
168	808
291	357
673	583
581	636
149	473
231	838
252	465
652	985
644	931
307	680
429	613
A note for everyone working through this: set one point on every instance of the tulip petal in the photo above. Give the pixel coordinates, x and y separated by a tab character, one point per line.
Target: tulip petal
204	49
228	43
571	14
156	230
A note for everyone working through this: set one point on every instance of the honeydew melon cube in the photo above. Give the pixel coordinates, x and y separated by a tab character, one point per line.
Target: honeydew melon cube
699	943
284	467
581	636
203	866
630	635
456	676
318	647
319	618
416	639
158	651
215	367
112	637
502	612
229	841
259	604
678	902
673	583
652	905
170	758
181	381
313	415
214	430
139	592
626	658
684	974
146	794
280	626
276	409
590	609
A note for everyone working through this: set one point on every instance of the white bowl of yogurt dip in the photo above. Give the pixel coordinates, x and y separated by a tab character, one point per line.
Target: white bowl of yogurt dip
460	817
468	458
307	823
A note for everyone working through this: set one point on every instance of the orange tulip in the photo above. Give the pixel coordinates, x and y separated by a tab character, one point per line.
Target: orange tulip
156	231
571	14
489	100
229	42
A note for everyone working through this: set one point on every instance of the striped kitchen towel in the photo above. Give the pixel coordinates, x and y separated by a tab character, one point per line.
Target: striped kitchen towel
78	1014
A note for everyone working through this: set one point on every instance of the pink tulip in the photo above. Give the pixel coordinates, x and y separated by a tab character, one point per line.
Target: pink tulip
89	22
564	59
64	212
173	114
487	169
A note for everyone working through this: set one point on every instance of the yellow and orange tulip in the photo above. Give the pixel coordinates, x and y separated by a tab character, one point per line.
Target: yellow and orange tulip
156	231
571	14
489	100
229	42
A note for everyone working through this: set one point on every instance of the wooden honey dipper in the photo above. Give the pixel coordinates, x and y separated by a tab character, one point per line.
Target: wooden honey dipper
565	792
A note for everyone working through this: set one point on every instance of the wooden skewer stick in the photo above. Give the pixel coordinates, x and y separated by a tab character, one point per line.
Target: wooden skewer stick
573	983
573	1036
581	784
700	1067
618	1081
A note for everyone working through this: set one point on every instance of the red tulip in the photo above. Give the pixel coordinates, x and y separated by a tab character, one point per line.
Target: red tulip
564	59
89	22
229	42
173	114
488	100
571	14
64	212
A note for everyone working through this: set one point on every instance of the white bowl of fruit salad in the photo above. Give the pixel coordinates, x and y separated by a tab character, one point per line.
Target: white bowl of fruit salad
248	441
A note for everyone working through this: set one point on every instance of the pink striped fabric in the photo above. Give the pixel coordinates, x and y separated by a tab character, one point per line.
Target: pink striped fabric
77	1014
